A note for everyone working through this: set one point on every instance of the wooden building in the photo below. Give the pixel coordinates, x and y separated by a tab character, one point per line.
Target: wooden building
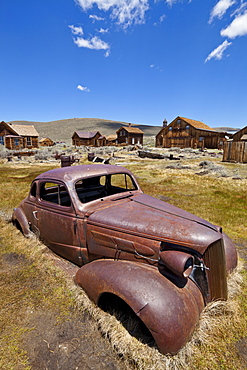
240	135
46	142
80	138
128	135
188	133
111	140
18	137
235	150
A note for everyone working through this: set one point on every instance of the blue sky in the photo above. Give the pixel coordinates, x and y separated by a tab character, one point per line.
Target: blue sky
135	61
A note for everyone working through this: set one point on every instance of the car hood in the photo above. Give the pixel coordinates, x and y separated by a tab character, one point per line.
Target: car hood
149	217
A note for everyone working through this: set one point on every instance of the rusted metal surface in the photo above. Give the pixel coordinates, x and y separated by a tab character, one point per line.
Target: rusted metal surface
165	263
169	312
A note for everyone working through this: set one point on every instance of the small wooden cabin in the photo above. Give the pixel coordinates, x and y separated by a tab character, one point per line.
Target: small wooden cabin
46	142
188	133
235	150
111	140
128	135
80	138
17	137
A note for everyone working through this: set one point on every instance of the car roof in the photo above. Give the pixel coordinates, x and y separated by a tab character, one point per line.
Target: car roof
74	173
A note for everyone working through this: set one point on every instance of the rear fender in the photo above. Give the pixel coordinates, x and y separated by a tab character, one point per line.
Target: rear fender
18	217
169	312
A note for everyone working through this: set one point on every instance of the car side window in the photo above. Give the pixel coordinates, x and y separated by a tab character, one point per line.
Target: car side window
121	182
33	189
55	193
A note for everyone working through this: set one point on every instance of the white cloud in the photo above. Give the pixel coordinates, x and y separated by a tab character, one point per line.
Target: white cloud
156	67
171	2
76	30
238	27
83	88
107	53
102	30
161	19
126	12
96	18
95	43
220	9
218	52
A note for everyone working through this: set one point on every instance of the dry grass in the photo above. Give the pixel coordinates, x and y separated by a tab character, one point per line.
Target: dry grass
222	324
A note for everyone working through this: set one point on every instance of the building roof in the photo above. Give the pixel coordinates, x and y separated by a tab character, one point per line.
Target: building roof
86	135
132	130
242	130
196	124
45	139
111	137
23	130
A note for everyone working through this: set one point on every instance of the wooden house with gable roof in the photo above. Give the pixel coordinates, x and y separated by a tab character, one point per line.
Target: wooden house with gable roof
94	138
235	150
46	141
188	133
18	137
129	135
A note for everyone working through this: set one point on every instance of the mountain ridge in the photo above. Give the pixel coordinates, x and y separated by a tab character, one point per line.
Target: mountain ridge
62	130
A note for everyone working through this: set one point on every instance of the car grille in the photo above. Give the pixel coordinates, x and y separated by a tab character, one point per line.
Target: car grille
214	260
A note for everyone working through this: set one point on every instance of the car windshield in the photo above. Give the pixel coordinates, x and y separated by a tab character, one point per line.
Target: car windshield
93	188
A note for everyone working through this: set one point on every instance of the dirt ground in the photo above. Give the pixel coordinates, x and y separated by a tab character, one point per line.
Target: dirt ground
72	344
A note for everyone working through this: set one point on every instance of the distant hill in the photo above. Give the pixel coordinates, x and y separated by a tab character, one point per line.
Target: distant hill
63	130
226	129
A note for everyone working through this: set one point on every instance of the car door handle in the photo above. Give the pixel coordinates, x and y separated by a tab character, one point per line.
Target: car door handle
35	215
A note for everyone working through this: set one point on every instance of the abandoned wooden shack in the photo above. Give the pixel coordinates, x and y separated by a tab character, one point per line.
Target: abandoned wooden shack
111	140
128	135
235	150
188	133
46	142
94	138
18	137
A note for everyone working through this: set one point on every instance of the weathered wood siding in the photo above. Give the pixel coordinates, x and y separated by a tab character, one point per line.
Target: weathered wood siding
129	138
183	135
235	151
237	136
78	141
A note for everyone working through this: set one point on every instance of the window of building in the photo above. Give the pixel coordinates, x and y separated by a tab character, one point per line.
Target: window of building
29	140
1	140
16	142
170	128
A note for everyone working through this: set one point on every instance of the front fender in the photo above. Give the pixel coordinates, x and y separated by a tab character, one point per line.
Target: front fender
231	253
169	312
19	216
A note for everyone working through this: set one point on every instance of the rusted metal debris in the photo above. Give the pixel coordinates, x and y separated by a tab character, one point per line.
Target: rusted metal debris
93	158
165	263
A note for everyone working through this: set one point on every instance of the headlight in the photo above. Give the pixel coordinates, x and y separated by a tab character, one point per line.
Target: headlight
179	263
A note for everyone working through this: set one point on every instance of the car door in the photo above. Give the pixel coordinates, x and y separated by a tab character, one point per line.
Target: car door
57	221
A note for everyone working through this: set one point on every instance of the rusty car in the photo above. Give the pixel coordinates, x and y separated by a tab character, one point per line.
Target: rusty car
165	263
